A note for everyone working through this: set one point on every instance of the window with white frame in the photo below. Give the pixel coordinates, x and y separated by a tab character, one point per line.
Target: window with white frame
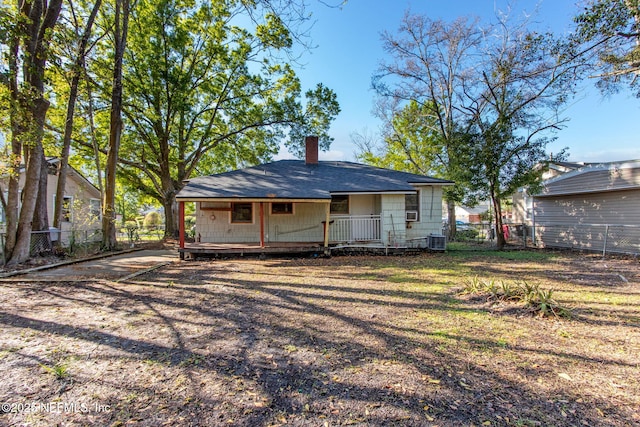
412	204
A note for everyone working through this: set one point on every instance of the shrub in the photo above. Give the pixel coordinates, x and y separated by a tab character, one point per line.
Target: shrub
152	220
465	235
536	300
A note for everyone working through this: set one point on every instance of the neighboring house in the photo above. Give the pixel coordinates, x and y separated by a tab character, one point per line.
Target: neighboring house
472	215
595	207
522	209
306	204
81	205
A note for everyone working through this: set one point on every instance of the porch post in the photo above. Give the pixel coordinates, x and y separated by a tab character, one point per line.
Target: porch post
181	224
326	228
261	224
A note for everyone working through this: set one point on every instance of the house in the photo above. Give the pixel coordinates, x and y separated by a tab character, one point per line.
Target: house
595	207
522	207
81	205
307	205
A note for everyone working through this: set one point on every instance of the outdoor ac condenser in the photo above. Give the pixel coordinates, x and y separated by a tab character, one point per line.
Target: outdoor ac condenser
436	242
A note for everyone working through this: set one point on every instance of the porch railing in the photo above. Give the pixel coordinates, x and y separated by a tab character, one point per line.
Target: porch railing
355	228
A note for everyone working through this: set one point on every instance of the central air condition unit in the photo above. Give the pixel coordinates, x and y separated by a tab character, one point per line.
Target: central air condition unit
411	216
436	242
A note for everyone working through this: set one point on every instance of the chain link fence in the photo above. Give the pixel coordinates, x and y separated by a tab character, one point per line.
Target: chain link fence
74	243
133	234
82	243
600	238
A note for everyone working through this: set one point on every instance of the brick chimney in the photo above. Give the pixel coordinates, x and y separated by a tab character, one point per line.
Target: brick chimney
311	146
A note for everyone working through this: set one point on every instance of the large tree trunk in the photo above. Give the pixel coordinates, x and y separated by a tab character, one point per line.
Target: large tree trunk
30	45
21	251
171	227
497	210
109	241
77	70
41	243
451	219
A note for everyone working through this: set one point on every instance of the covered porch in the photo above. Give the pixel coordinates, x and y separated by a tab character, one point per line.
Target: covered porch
220	232
332	231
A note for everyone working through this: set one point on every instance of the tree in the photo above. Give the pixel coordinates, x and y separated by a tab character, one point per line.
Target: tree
202	94
423	92
491	96
611	29
77	72
120	32
526	78
27	34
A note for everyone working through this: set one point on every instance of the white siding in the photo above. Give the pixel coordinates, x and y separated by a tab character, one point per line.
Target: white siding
364	204
306	222
304	225
430	221
394	231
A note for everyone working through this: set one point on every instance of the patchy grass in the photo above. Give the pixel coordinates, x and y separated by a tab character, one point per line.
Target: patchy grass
370	341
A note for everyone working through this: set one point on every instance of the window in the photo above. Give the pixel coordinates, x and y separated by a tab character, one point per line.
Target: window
241	213
339	204
66	208
281	208
95	208
412	204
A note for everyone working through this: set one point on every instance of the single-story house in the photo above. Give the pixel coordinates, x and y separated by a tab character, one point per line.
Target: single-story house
298	205
595	207
81	204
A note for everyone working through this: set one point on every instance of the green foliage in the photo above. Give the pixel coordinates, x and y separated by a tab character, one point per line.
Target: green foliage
205	95
466	235
59	370
536	300
152	220
190	226
610	28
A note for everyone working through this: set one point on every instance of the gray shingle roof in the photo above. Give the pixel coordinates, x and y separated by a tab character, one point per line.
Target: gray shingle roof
294	179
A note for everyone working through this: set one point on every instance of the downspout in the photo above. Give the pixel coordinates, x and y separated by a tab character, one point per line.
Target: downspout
261	224
181	226
326	228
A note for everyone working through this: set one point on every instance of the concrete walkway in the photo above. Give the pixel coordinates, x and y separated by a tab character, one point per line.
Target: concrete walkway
114	267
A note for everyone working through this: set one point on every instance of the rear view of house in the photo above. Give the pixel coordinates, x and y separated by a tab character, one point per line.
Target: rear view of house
310	204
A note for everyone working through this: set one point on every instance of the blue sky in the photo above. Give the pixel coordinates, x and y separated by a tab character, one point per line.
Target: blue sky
349	49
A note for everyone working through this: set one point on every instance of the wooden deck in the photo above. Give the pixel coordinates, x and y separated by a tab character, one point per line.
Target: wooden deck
216	250
195	250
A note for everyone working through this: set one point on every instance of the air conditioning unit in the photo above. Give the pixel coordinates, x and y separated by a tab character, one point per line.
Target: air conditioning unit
436	242
411	216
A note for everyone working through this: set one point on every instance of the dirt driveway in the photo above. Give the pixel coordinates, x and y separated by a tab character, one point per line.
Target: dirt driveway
370	341
114	267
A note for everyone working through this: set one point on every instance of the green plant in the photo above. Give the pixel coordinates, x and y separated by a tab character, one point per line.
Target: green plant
542	303
473	286
59	370
536	300
509	291
465	235
152	220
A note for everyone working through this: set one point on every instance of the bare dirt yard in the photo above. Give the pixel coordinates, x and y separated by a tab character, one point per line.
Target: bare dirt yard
371	341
